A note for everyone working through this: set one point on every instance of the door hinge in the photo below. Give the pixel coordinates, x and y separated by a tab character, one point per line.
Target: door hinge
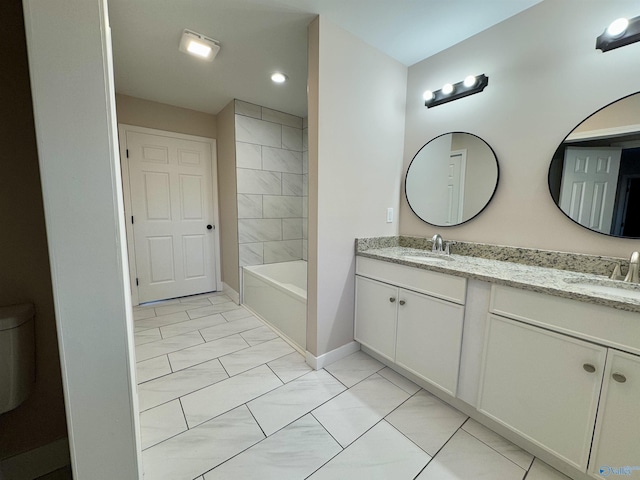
131	219
137	282
127	153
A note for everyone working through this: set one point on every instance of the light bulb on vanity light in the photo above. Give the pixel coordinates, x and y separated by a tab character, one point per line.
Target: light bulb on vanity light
447	89
428	95
470	81
618	27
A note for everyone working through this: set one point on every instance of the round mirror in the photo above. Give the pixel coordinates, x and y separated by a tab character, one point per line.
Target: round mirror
594	176
451	179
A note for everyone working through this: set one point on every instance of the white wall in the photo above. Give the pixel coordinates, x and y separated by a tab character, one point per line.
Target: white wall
545	77
74	111
355	156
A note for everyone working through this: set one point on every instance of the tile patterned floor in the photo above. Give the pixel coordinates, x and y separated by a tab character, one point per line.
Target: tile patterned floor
223	397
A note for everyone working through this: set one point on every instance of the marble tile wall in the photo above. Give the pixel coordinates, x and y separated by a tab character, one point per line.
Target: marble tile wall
272	180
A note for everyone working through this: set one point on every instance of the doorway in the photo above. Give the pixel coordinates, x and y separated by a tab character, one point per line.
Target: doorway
171	213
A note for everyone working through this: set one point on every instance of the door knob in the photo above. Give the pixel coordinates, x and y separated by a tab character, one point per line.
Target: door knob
209	227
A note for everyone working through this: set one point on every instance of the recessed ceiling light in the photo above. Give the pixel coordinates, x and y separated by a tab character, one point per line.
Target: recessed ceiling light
279	77
199	45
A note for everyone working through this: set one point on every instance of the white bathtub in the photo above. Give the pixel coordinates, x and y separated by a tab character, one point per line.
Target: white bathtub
277	292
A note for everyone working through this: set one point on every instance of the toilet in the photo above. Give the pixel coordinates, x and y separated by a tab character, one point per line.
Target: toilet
17	355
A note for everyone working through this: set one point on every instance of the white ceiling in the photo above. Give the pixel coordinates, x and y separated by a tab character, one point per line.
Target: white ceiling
258	37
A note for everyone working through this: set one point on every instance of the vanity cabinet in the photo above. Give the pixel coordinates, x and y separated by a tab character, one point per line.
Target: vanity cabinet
543	385
617	436
401	315
552	366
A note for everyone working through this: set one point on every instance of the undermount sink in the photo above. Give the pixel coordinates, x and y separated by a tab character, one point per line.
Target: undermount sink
428	258
608	287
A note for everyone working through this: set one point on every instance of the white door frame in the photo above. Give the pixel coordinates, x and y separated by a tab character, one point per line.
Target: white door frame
126	190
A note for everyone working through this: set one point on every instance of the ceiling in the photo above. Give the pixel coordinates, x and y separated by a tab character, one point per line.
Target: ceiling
258	37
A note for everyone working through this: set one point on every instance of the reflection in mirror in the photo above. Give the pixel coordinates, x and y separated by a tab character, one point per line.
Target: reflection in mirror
594	176
451	179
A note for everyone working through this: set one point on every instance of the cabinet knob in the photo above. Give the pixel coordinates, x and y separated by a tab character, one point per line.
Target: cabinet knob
618	377
402	302
392	299
589	368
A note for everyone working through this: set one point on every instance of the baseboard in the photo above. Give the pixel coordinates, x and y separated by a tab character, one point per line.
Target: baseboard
37	462
231	293
333	356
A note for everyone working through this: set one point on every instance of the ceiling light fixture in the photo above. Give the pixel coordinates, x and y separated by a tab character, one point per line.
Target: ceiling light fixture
619	33
278	77
449	92
199	45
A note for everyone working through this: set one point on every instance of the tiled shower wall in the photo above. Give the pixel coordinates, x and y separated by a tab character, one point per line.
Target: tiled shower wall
271	185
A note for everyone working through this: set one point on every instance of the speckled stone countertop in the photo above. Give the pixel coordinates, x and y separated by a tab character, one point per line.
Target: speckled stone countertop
576	285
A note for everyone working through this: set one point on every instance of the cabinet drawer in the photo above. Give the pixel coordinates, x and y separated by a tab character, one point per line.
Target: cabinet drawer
596	323
436	284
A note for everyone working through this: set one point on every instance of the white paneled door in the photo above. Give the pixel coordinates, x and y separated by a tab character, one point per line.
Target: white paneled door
172	214
589	183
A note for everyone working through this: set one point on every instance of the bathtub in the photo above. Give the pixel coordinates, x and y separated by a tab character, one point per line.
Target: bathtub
277	292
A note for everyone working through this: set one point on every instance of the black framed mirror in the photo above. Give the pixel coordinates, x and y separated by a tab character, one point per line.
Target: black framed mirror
594	175
452	179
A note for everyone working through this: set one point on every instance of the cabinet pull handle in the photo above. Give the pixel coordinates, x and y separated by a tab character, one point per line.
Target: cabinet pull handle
618	377
392	299
402	302
589	368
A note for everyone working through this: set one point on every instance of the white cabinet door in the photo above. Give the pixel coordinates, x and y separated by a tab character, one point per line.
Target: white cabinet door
617	439
429	339
542	385
375	323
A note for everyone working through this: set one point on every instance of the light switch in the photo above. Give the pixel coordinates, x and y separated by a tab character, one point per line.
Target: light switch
389	215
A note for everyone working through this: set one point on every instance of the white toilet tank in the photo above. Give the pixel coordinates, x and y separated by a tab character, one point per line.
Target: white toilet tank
17	355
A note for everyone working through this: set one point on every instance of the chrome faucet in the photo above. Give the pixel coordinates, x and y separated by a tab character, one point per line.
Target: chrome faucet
436	244
634	263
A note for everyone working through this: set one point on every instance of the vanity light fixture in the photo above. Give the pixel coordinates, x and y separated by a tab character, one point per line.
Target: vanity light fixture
199	45
449	92
619	33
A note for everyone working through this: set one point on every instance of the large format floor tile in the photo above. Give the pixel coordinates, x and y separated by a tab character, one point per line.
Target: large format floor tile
161	423
499	444
397	379
541	471
212	401
293	400
155	322
289	367
353	412
232	327
380	454
427	421
152	368
293	453
189	357
200	449
178	384
257	355
465	457
354	368
191	325
147	336
212	309
259	335
162	347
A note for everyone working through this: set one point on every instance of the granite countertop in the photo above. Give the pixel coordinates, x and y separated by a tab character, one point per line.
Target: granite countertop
586	287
